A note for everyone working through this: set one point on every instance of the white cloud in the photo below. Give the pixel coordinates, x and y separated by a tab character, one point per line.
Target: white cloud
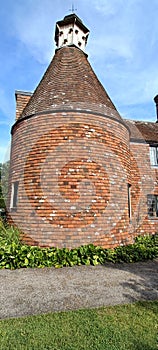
4	153
6	107
107	7
124	51
135	88
111	46
122	46
33	26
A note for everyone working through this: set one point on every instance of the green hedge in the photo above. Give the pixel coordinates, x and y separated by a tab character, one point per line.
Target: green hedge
14	254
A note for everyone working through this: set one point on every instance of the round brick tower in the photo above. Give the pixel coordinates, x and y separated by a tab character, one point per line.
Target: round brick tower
69	179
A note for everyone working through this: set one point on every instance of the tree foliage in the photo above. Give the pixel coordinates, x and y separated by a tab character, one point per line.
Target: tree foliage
4	176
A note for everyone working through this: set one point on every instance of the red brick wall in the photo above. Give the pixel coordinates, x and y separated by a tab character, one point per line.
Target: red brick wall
144	182
22	99
73	170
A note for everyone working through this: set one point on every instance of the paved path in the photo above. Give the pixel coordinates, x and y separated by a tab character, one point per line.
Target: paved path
33	291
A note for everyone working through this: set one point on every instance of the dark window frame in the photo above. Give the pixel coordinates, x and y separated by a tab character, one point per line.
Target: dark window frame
152	204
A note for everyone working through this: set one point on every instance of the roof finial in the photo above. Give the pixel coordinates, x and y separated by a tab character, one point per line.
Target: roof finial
73	8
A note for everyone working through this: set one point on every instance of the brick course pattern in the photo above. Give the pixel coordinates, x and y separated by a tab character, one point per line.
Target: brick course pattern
22	99
73	177
74	157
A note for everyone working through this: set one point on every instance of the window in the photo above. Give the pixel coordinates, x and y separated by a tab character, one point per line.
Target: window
152	203
154	155
129	202
14	194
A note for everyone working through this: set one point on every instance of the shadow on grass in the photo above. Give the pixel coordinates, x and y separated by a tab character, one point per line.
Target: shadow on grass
142	346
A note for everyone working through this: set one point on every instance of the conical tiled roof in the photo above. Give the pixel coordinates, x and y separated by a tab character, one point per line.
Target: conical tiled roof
70	83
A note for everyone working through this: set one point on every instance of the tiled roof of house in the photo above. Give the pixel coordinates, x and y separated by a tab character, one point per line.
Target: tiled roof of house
140	130
70	83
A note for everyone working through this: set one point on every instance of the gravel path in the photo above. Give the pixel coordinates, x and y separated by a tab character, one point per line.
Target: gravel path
33	291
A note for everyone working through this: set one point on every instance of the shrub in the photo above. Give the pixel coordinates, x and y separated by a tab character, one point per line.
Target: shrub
14	254
8	234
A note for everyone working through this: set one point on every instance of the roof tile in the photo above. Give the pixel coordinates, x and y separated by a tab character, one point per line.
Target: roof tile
140	130
70	82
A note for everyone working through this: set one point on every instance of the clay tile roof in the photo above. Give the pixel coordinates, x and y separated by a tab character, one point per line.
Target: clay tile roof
140	130
70	83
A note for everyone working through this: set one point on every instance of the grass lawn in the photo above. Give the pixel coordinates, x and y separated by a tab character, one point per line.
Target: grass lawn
127	327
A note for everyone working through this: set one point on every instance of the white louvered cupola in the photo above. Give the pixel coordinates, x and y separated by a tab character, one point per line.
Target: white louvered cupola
71	31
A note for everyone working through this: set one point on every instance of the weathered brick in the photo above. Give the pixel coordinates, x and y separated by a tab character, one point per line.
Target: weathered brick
74	156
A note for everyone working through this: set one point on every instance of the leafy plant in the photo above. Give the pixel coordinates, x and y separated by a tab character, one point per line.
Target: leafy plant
9	234
4	175
14	254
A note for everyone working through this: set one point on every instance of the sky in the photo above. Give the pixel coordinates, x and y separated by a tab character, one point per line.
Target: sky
122	49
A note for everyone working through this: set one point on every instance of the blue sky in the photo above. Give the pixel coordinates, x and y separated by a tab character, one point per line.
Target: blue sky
122	49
